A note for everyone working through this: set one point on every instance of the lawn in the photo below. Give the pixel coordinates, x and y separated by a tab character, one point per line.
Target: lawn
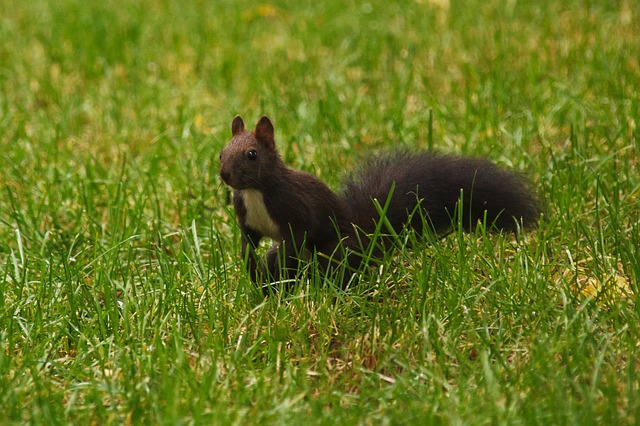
123	298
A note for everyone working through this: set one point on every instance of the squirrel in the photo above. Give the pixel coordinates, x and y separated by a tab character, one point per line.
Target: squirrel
400	190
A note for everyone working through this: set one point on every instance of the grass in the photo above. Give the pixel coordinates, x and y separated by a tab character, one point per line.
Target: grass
122	295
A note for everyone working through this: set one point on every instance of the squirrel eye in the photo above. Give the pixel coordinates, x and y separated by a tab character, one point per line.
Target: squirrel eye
252	154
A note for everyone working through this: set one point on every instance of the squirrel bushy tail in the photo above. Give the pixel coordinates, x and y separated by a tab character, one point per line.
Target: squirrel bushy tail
440	185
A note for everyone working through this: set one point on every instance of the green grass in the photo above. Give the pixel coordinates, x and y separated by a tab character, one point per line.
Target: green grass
122	295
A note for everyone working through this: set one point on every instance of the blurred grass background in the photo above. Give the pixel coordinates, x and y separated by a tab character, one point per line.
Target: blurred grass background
122	297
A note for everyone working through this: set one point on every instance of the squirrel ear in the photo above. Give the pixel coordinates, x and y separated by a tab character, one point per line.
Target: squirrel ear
264	130
237	125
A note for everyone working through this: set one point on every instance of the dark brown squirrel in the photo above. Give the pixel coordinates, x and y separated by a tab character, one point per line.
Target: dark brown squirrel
304	217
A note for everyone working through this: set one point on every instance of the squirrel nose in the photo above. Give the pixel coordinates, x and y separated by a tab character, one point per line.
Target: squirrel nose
225	176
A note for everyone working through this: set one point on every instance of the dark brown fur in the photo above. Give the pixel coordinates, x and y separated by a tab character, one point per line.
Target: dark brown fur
304	217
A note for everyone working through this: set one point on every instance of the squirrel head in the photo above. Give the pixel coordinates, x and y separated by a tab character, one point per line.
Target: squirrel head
250	159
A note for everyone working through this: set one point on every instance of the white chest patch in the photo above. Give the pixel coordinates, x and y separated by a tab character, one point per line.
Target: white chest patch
257	215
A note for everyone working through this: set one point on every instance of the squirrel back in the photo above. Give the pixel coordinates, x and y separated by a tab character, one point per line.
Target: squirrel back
303	216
